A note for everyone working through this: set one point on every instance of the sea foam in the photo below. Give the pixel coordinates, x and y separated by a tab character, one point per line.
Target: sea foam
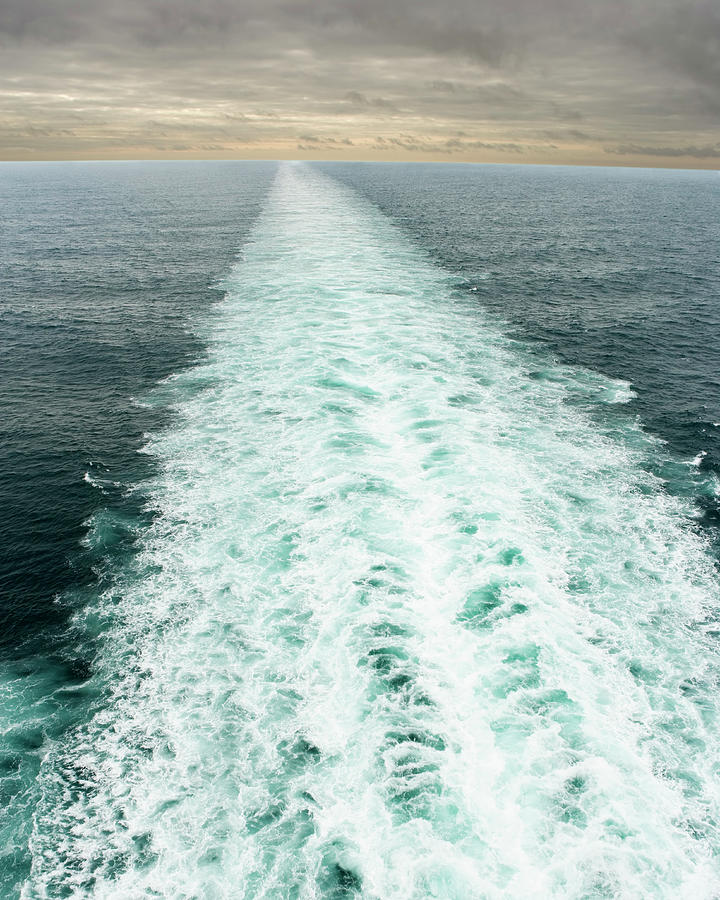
408	623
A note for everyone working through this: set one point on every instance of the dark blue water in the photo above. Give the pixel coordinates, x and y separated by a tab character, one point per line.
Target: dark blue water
101	267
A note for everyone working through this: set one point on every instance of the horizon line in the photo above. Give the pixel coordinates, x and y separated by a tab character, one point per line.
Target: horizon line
374	161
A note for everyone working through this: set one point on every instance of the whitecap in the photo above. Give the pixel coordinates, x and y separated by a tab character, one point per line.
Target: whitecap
407	623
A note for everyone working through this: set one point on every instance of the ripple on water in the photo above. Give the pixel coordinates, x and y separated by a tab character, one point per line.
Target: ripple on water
408	624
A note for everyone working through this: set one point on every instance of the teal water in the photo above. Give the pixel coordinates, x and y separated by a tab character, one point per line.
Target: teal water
410	614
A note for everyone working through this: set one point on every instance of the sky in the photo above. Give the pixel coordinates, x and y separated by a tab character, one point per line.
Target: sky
627	82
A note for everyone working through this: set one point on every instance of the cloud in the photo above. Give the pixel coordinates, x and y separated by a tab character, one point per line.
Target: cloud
356	98
442	87
313	140
421	25
414	144
568	134
708	152
226	73
685	37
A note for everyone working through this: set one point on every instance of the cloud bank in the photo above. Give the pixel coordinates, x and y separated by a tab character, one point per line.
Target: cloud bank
635	81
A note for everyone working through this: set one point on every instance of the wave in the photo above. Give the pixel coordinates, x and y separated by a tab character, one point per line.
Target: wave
408	621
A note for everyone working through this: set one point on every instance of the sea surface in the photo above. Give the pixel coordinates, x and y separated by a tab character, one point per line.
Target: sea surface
359	532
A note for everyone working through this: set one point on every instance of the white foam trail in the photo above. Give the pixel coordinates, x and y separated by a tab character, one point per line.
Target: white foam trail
408	624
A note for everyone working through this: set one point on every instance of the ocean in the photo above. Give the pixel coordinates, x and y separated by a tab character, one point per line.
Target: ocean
359	531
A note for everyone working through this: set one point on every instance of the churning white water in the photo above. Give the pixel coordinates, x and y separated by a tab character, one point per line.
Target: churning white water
409	622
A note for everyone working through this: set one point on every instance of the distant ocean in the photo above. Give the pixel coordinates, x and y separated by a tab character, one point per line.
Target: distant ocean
359	531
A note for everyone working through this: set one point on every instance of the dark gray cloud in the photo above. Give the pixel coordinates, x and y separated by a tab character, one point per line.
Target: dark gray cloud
358	99
710	151
686	38
463	77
